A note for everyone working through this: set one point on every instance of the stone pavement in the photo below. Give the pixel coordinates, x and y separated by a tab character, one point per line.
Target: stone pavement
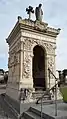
3	114
50	110
5	111
2	88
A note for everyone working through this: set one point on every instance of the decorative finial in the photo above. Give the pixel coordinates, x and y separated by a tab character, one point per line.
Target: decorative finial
19	18
29	10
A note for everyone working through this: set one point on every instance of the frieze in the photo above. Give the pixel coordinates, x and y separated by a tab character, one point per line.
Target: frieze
38	36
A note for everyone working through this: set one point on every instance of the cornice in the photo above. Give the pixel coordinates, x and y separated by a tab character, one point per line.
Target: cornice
39	27
33	26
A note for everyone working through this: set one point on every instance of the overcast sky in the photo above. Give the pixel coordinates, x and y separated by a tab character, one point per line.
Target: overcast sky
55	14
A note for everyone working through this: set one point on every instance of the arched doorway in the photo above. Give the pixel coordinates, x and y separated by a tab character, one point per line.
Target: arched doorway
39	68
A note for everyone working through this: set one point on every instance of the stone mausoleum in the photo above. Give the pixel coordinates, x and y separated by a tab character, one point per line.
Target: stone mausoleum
32	47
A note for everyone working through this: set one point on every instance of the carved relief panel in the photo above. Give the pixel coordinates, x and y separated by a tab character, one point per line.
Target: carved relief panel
51	62
27	57
13	59
29	44
27	63
14	55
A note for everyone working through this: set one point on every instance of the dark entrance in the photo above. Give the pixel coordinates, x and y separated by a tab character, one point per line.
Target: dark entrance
39	68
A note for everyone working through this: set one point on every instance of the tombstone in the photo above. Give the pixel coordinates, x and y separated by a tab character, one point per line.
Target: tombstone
32	47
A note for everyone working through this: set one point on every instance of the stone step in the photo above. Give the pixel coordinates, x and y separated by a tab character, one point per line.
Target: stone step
34	110
38	94
30	115
38	113
26	115
46	101
34	113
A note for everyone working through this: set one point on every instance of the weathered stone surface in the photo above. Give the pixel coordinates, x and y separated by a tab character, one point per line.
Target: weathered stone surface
24	37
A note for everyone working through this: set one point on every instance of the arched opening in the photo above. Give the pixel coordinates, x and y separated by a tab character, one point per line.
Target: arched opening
39	68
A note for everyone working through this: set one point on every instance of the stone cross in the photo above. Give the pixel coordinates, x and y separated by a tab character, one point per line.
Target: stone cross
29	10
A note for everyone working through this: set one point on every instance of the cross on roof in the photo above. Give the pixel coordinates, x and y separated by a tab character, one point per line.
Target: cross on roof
29	10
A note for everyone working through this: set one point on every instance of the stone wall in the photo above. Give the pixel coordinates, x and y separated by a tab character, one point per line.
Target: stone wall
23	38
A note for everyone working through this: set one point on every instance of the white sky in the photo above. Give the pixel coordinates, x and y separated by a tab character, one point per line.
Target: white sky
55	14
